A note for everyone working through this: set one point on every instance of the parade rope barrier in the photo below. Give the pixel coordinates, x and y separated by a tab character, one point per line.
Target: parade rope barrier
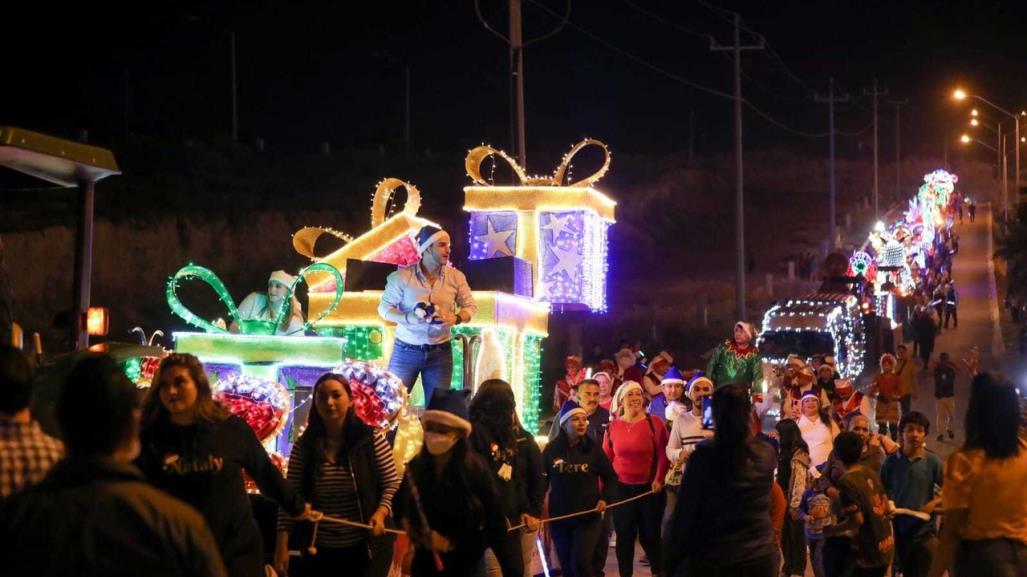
327	518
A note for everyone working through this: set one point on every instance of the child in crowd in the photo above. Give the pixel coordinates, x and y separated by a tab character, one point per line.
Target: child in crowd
887	389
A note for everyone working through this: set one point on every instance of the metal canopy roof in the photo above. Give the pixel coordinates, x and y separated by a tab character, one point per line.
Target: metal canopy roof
62	162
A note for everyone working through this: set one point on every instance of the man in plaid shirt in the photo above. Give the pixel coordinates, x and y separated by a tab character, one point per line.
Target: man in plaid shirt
26	452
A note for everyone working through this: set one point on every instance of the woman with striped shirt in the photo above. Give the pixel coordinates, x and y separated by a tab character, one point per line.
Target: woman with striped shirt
344	469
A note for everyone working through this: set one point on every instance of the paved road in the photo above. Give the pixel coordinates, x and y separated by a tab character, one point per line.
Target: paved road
978	309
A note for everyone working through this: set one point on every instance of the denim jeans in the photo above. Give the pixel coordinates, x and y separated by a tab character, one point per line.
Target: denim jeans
435	366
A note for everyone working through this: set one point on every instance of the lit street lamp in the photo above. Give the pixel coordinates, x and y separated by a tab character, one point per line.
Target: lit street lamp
961	95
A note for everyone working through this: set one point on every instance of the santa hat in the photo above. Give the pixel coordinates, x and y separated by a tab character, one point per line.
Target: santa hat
595	376
663	356
280	276
427	236
618	396
827	367
568	410
698	380
809	395
886	357
842	385
673	375
748	328
449	407
573	359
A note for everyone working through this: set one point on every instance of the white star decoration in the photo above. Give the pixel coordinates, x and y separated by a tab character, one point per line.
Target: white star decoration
568	261
496	241
558	225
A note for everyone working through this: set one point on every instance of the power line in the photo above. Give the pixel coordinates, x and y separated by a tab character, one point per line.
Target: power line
665	21
782	125
642	61
769	91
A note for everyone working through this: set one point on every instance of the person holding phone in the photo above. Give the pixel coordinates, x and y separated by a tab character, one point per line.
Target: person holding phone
688	429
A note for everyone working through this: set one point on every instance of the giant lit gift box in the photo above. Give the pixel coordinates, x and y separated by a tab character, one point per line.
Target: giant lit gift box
557	224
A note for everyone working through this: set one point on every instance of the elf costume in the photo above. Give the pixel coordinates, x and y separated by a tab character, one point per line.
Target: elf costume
732	363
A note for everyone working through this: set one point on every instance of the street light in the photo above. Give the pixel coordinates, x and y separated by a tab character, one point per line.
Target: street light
1001	152
973	112
960	94
965	139
973	122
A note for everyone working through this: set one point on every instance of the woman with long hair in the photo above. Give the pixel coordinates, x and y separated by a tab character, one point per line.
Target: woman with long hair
985	527
792	469
345	469
450	487
817	427
722	524
194	449
515	461
580	478
636	444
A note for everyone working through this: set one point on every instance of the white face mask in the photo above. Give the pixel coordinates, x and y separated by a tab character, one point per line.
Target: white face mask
438	443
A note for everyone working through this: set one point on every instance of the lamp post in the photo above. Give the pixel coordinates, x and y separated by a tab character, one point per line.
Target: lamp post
1003	165
960	95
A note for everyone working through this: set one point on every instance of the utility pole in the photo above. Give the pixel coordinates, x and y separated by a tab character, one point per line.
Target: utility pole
875	93
898	144
517	79
831	207
737	49
235	106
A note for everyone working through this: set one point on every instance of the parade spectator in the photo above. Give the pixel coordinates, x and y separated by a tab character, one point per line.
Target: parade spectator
672	386
912	478
945	395
972	210
687	430
93	514
456	494
26	452
722	523
803	383
887	388
863	507
793	464
925	330
267	307
636	444
972	362
564	389
985	527
515	461
344	469
951	305
580	478
815	512
194	449
817	427
589	393
905	369
426	300
627	369
653	378
736	360
605	382
847	400
826	379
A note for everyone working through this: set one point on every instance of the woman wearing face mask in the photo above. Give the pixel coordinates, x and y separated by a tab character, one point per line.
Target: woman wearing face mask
458	497
574	466
195	450
344	469
636	444
516	464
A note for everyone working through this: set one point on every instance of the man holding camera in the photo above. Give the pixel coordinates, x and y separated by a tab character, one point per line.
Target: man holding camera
425	301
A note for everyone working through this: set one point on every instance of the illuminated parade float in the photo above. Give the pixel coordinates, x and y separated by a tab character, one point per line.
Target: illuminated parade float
547	239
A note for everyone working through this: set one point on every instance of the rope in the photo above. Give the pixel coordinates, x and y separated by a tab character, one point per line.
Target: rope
313	550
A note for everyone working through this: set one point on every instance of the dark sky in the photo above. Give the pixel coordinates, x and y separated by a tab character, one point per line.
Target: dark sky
316	70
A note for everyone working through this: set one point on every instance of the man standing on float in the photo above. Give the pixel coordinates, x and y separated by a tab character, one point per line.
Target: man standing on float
425	301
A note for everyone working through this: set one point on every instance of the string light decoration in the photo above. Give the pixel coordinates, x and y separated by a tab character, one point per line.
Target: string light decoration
860	263
557	224
247	326
835	315
262	403
390	239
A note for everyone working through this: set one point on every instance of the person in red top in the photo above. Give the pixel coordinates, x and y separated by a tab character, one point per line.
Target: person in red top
564	389
627	369
636	444
888	390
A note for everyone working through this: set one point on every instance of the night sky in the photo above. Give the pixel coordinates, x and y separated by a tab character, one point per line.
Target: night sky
333	71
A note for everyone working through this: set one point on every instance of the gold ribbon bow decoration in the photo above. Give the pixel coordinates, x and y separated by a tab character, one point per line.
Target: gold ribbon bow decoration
472	164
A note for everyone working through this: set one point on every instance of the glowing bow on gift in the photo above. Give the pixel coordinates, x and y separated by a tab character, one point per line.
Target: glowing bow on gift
259	327
477	155
382	206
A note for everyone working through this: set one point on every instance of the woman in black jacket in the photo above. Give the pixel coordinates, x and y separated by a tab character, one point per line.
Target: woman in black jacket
195	450
576	467
344	469
515	460
454	489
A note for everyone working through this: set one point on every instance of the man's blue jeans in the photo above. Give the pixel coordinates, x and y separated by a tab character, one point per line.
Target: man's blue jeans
435	366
